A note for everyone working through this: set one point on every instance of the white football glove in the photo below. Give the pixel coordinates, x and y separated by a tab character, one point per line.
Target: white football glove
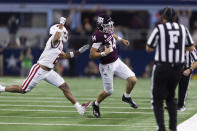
84	48
62	20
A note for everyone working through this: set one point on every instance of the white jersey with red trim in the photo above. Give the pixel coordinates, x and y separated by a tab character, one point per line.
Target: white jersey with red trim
51	53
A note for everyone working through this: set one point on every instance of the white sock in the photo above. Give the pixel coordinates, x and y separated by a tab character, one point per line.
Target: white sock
126	95
2	88
77	105
96	103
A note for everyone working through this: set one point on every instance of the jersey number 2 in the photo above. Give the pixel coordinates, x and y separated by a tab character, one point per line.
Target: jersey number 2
173	38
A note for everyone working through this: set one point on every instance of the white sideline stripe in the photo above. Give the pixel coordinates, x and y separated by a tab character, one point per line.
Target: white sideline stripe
76	111
82	125
188	125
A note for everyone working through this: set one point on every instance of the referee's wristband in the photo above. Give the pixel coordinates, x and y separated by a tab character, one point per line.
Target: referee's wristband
190	70
103	54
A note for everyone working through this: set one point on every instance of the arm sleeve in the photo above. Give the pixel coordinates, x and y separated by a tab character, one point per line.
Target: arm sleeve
194	55
153	38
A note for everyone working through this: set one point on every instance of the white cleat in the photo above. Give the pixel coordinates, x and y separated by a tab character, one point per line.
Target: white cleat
83	108
81	111
181	109
2	88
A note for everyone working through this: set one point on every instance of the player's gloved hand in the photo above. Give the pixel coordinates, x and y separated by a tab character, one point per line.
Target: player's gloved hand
84	48
62	20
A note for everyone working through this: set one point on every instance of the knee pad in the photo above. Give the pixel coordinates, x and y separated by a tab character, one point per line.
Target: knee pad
108	88
109	92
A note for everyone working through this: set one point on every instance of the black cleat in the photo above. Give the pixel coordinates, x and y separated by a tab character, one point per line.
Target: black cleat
96	111
129	100
181	108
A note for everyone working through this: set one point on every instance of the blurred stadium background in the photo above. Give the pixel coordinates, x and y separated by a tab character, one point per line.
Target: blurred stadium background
24	28
24	24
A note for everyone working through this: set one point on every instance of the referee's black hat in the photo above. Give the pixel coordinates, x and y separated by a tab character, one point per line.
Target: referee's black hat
169	14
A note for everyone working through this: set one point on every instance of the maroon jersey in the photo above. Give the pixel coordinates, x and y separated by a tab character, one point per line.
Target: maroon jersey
106	39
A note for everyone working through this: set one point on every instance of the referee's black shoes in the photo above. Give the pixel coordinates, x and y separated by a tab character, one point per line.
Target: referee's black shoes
181	108
129	100
173	130
96	111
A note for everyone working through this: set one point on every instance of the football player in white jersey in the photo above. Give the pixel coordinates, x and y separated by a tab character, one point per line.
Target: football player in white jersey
43	69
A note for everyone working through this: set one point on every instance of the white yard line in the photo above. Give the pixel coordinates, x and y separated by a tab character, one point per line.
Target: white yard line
57	124
79	125
32	101
107	112
57	98
150	121
188	125
59	101
104	107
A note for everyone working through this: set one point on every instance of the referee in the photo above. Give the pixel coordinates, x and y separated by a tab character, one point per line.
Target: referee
190	65
169	40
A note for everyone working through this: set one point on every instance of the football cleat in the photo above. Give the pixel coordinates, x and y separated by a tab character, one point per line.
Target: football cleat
129	100
83	108
2	88
181	109
86	105
96	111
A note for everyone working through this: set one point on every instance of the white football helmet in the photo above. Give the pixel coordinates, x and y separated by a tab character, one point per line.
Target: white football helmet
53	30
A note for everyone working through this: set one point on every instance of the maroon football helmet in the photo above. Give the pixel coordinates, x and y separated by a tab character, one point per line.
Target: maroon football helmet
105	23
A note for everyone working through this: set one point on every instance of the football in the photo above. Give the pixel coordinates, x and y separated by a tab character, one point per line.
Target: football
101	48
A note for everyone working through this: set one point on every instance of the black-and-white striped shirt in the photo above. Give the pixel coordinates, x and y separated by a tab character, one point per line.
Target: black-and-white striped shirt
190	57
169	41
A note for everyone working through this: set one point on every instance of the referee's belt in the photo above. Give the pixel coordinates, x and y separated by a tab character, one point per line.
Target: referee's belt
170	64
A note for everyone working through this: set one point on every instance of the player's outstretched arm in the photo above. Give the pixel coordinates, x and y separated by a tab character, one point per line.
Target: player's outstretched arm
73	54
125	42
58	34
95	54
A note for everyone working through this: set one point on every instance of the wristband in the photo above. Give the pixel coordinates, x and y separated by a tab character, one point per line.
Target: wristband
119	38
190	70
103	54
71	55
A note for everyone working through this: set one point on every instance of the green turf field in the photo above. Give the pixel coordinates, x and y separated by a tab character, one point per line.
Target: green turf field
46	109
